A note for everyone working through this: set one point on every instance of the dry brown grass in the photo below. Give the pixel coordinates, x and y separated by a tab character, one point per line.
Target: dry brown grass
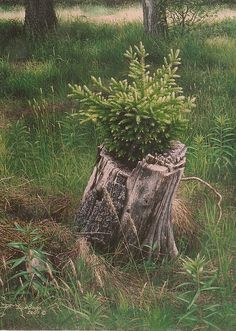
56	238
24	204
27	206
28	203
183	220
67	250
108	279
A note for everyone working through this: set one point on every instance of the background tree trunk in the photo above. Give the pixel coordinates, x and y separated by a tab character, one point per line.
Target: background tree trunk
132	208
154	17
40	15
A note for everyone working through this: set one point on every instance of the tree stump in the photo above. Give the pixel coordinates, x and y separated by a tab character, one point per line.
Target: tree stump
132	207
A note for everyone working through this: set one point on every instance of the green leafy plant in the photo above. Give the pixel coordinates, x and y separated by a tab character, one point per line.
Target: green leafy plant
92	312
197	292
139	115
30	268
222	141
199	150
215	150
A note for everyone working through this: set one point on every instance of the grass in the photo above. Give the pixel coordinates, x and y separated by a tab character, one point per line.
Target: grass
51	150
45	153
207	72
67	12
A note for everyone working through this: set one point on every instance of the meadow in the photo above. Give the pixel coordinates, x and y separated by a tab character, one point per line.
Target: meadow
46	158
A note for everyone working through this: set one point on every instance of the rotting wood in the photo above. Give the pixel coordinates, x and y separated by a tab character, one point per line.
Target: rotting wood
133	207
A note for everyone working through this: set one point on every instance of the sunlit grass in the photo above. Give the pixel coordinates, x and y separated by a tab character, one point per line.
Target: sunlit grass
48	148
83	11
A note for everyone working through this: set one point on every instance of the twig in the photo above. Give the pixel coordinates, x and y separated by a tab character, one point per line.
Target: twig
6	178
91	233
212	189
25	183
45	207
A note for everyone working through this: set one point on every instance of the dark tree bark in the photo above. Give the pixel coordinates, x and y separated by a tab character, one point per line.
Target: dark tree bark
40	15
132	208
154	17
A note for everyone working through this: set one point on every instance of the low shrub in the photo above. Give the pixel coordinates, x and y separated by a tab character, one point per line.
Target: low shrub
187	13
139	115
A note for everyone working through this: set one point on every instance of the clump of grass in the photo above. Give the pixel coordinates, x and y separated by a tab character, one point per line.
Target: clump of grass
27	203
183	220
216	151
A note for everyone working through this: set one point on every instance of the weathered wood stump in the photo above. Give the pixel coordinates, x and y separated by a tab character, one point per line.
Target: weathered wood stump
133	207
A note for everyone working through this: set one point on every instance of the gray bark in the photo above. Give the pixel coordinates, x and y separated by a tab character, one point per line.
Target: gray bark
40	15
132	208
154	17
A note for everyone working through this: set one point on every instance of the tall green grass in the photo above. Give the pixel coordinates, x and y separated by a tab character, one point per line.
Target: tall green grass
47	146
50	149
78	50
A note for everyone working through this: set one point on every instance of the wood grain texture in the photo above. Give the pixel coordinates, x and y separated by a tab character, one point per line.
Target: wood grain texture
133	207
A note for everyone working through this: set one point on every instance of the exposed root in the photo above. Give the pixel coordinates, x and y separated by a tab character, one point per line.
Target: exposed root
219	196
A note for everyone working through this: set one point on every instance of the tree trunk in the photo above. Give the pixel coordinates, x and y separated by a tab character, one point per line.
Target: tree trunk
154	17
132	207
40	15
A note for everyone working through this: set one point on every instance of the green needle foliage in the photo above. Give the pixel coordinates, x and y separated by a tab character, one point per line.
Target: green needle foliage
138	115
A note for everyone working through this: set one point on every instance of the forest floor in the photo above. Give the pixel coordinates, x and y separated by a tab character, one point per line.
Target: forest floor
102	14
